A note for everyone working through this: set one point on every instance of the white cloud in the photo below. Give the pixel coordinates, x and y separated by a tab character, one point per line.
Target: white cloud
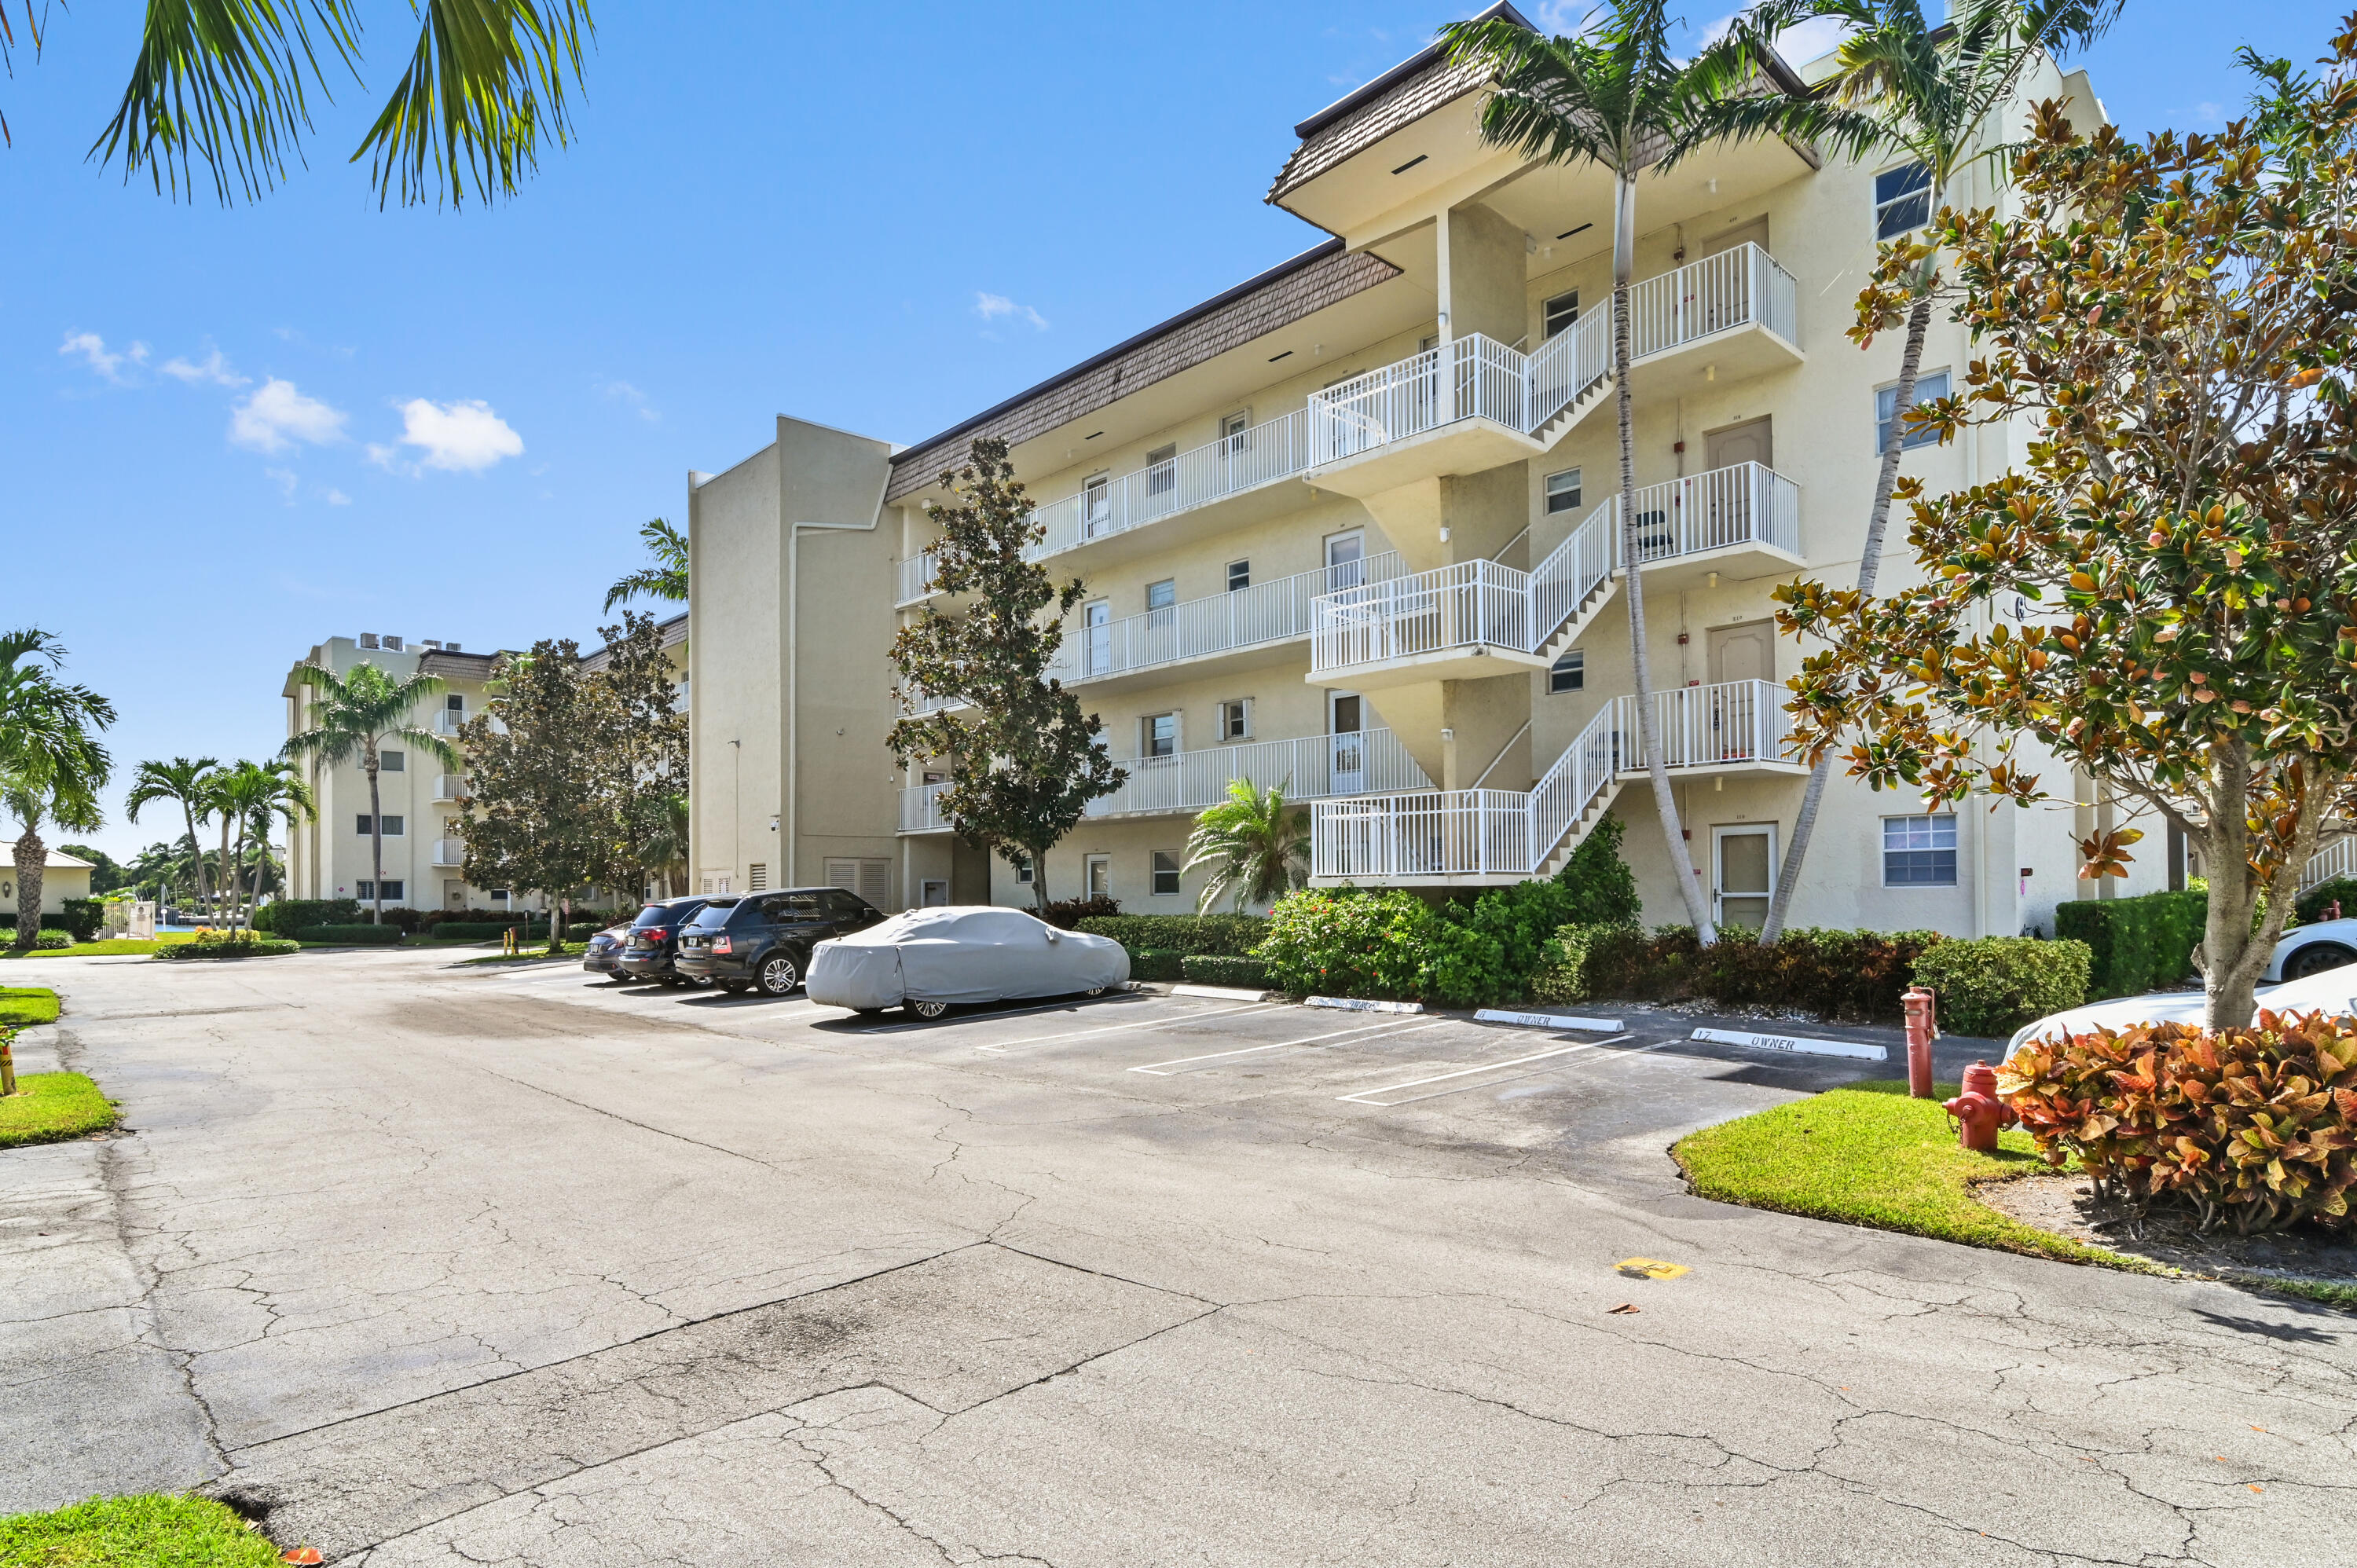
458	436
991	307
215	370
623	391
337	498
277	416
92	348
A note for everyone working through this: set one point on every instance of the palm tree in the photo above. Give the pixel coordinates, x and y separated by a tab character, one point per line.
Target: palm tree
667	578
668	849
1616	97
1930	91
1257	848
352	717
228	81
251	794
185	782
52	762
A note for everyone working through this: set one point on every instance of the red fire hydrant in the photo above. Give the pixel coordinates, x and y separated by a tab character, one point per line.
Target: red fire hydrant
1922	1029
1978	1111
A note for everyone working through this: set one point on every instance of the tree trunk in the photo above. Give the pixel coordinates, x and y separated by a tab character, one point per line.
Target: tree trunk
376	845
238	905
558	918
1039	881
2237	940
188	811
32	854
1869	567
225	883
1648	742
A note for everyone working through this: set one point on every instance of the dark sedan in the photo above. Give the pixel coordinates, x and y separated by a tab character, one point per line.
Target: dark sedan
764	940
604	955
654	944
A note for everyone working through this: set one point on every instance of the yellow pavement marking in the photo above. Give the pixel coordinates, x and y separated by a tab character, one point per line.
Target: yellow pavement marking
1649	1269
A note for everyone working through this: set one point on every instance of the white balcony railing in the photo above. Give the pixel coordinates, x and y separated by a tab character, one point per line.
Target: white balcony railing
449	853
2338	858
1311	768
1275	611
447	723
1502	832
1481	604
1476	377
449	787
916	579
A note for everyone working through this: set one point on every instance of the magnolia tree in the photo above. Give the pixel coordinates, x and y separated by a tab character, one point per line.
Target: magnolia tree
1024	760
2175	320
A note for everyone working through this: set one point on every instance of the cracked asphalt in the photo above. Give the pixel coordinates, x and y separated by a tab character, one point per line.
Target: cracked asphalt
437	1266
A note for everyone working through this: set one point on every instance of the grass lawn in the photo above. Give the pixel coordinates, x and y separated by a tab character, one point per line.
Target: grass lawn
134	1532
1868	1154
24	1005
536	950
48	1108
123	945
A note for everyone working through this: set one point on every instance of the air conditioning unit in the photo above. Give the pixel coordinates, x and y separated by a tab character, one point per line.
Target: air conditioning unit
368	639
391	642
450	648
429	642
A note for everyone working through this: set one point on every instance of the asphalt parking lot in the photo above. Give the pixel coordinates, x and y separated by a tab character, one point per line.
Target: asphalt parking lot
427	1265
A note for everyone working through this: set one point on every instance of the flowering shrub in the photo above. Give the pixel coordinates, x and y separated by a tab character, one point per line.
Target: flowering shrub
2255	1127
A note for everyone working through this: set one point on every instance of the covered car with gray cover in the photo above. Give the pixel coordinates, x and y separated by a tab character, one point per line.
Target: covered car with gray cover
961	953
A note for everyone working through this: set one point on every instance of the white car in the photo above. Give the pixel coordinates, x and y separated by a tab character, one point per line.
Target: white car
2312	950
928	960
2331	990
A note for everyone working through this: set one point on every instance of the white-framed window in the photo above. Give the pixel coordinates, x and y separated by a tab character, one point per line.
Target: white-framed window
392	891
1563	491
391	829
1920	851
1558	313
1166	873
1022	868
1346	560
392	761
1928	384
1161	470
454	704
1096	876
1162	596
1568	673
1239	576
1236	430
1235	719
1903	201
1157	735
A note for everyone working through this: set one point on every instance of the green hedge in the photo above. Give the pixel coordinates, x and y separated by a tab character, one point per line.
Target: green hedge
1218	969
2316	902
1992	985
360	935
46	939
295	913
264	946
1157	963
1832	974
84	917
1233	935
2134	944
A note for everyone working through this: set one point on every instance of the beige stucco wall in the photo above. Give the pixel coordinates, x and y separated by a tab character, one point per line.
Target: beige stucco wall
63	878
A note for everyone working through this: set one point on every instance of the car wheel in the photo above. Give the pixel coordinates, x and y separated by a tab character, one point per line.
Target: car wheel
2315	959
1094	991
926	1009
778	976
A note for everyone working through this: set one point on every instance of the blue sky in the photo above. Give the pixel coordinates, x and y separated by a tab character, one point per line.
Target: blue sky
230	433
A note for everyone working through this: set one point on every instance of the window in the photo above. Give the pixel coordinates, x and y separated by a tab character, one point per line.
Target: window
1928	386
391	825
1563	491
1239	576
392	761
1559	313
454	704
1236	430
1161	470
1022	868
1568	673
392	891
1158	735
757	876
1097	876
1918	852
1235	719
1903	201
498	895
1161	596
1166	873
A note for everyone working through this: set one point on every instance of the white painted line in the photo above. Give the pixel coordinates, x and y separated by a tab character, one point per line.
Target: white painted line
1362	1004
1492	1083
1070	1003
1219	992
1551	1021
1361	1097
1802	1043
1141	1026
1157	1068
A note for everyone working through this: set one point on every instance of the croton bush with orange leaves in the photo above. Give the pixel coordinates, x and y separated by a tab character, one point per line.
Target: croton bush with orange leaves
2255	1128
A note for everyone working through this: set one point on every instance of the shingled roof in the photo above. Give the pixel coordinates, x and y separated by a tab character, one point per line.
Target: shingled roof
1254	308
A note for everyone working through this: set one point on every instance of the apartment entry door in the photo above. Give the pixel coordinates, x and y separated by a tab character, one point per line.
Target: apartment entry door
1733	717
1744	653
1346	743
1346	561
1727	498
1743	873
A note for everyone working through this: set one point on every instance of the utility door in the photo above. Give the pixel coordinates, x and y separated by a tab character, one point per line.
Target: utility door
1743	875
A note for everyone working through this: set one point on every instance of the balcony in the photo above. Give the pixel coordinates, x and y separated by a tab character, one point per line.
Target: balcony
1473	837
1473	403
1313	767
450	853
448	723
1477	619
1254	624
450	787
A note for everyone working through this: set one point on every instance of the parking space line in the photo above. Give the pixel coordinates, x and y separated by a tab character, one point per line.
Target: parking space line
1361	1097
1012	1013
1390	1024
1116	1029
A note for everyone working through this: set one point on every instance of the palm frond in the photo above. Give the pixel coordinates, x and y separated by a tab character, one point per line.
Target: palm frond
667	578
486	81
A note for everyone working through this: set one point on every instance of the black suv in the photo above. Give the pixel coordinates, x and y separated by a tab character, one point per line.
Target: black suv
765	938
653	942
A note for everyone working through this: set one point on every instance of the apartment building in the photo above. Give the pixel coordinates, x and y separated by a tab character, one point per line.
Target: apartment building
1353	526
420	799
